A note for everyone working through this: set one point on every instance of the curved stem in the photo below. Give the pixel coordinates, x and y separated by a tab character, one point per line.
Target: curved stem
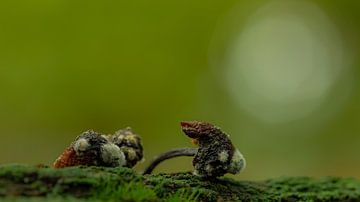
168	155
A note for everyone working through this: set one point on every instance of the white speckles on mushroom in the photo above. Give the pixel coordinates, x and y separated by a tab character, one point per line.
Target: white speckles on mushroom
106	137
196	173
131	154
209	169
95	149
81	145
130	143
112	155
120	138
128	132
237	163
131	139
223	156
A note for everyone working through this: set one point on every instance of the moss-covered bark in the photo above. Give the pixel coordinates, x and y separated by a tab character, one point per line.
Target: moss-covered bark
23	183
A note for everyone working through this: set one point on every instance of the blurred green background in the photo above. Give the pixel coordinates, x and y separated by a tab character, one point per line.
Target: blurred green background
281	77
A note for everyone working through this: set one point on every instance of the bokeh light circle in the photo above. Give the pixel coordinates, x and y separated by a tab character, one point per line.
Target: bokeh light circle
284	61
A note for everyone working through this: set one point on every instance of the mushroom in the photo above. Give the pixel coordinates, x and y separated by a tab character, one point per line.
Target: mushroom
215	156
94	149
130	144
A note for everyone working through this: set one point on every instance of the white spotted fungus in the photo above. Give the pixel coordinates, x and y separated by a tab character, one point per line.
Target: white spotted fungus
130	144
94	149
215	156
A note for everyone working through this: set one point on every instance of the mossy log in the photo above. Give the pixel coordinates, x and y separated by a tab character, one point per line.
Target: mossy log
30	183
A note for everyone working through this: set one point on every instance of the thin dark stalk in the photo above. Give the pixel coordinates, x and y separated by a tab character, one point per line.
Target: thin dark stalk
168	155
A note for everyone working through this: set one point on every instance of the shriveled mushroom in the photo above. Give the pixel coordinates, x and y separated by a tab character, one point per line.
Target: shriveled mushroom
215	156
130	144
94	149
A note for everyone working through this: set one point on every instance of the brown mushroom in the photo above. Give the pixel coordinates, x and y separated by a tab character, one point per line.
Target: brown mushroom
215	156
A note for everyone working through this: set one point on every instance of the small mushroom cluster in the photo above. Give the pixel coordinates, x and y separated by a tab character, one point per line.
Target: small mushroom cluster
122	149
215	156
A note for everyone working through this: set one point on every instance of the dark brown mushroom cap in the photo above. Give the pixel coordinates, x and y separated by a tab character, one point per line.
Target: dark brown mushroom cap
215	148
94	139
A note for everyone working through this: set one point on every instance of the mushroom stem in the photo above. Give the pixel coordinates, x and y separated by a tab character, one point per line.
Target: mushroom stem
168	155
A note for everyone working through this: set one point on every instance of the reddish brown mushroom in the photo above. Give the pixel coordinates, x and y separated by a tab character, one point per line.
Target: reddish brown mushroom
215	156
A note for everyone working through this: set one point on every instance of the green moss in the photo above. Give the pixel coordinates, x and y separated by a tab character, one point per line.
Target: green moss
132	191
183	195
323	189
44	199
28	183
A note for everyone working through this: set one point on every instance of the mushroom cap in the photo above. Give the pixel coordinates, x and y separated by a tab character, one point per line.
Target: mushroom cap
215	156
91	149
130	143
85	150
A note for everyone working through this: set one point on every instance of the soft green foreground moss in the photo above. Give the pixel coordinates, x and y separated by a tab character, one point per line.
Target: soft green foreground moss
27	183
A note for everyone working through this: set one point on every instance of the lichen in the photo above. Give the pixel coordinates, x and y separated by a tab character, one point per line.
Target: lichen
28	183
